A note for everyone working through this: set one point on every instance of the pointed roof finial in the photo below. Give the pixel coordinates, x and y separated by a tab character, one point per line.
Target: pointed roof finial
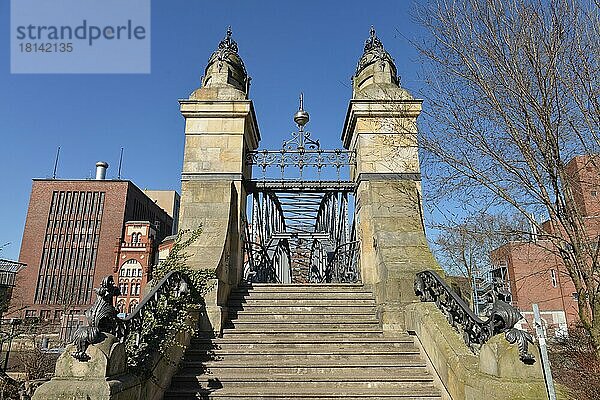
301	108
373	41
228	44
374	52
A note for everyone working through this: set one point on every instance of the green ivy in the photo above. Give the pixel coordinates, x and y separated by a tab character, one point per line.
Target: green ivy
158	332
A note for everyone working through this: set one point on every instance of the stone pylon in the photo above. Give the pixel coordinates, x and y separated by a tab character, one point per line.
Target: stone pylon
381	127
220	128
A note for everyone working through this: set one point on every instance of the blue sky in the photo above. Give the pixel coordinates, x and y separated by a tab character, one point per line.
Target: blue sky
288	47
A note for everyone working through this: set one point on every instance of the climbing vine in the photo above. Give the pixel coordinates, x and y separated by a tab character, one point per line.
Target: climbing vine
158	336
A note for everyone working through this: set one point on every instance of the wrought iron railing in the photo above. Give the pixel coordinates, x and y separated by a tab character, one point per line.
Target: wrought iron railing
102	316
343	267
300	152
501	318
173	283
259	266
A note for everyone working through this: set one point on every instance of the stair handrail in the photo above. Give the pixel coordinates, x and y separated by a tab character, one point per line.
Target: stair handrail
102	315
501	316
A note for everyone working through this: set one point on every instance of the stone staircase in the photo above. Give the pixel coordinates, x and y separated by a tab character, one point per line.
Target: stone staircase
303	342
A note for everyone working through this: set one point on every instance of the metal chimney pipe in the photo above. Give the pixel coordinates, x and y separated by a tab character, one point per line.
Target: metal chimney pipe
101	167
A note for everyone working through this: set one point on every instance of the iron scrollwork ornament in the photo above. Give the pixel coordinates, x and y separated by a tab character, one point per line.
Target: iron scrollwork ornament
502	317
102	317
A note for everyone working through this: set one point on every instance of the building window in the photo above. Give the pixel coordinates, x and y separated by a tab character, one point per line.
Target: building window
575	296
30	313
45	315
594	193
553	277
121	306
132	305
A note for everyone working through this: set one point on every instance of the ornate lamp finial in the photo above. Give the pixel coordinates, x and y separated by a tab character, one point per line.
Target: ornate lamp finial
301	117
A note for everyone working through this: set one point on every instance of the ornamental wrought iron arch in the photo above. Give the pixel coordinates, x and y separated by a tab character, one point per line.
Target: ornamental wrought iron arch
299	228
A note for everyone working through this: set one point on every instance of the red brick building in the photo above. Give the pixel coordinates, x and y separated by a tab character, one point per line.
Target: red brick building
536	274
69	240
136	256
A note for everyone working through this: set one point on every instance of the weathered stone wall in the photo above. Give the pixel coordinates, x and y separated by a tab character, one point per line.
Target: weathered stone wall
219	133
383	133
495	374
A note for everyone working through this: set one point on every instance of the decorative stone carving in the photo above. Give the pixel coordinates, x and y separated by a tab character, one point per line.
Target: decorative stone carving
102	317
374	52
502	317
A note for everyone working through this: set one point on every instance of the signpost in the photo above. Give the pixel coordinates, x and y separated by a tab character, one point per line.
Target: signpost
541	337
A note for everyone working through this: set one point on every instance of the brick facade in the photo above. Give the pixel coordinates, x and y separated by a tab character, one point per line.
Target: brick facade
536	273
133	264
69	240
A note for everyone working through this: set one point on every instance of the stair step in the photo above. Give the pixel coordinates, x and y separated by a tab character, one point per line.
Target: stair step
401	338
412	374
306	302
342	373
266	359
287	326
308	385
304	316
421	391
314	288
302	308
318	348
282	287
309	362
325	295
238	334
292	385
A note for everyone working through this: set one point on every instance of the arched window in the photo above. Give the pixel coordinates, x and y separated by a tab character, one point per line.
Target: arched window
130	268
121	306
132	305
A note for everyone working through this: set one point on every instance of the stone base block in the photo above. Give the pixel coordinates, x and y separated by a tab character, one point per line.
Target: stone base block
496	374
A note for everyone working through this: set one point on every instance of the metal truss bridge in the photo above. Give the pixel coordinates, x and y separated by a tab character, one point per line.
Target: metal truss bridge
301	230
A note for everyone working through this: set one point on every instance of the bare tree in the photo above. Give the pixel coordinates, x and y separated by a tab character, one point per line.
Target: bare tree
576	365
464	247
512	96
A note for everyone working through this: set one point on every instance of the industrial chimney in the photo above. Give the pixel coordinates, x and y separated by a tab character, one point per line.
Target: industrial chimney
101	167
